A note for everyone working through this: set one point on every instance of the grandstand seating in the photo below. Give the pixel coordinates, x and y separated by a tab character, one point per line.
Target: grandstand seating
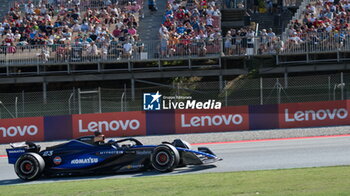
322	27
56	31
71	28
190	27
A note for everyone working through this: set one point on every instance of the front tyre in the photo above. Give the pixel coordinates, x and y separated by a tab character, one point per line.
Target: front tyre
165	158
29	166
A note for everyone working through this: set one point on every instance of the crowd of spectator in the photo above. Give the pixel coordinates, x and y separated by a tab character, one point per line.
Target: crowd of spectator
102	28
97	27
324	24
190	27
246	41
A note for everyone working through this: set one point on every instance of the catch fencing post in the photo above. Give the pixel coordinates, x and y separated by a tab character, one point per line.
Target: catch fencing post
74	99
132	89
22	103
220	82
342	85
285	79
123	100
338	56
45	92
225	94
79	101
69	102
16	102
99	100
125	97
278	90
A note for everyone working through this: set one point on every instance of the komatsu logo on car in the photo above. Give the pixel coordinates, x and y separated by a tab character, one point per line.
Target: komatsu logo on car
84	161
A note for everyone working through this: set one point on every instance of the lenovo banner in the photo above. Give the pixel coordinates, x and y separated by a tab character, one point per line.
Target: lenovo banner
313	114
114	124
199	121
22	129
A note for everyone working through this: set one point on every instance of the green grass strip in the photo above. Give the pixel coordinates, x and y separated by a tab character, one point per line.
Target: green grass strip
307	181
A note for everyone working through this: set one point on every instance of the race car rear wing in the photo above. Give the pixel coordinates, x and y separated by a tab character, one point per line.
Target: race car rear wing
19	148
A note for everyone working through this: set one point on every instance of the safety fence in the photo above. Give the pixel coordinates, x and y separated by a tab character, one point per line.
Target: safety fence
116	51
240	91
301	44
317	42
82	5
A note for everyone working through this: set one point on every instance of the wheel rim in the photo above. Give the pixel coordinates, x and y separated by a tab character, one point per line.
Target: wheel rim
162	158
27	167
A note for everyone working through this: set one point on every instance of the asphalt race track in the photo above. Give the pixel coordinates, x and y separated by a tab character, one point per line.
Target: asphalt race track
239	156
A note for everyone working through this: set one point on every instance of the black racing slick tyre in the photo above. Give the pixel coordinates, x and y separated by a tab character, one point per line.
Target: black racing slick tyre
165	158
29	166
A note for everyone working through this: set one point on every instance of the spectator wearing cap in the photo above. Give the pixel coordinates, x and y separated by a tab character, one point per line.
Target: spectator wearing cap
295	38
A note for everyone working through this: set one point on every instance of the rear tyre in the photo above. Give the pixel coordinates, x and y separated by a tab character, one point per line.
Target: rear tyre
165	158
29	166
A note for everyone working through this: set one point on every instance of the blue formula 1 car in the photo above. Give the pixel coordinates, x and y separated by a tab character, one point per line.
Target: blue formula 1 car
82	156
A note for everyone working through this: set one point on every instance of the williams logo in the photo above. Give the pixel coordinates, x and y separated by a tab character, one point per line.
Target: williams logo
151	101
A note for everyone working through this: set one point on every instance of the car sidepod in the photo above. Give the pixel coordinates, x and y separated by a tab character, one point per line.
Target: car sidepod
97	159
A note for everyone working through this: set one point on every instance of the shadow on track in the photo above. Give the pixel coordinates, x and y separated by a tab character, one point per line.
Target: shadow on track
11	181
45	179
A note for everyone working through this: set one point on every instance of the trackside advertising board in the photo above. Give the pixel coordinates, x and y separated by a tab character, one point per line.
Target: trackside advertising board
180	121
211	120
22	129
114	124
314	114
